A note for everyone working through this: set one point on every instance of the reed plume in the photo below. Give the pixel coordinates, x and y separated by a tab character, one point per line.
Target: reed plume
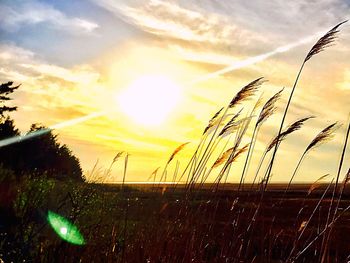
276	141
325	135
324	41
176	151
269	108
292	128
246	92
218	122
259	102
223	158
237	154
212	120
118	155
316	184
234	126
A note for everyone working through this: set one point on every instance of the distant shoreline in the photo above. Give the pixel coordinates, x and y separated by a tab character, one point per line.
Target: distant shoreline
228	186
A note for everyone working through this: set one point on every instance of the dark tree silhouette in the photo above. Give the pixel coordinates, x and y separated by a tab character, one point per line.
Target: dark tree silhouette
42	154
5	90
39	155
7	128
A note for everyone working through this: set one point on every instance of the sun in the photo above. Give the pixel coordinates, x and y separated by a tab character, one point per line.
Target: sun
149	99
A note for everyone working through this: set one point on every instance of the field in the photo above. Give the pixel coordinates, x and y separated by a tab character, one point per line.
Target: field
141	223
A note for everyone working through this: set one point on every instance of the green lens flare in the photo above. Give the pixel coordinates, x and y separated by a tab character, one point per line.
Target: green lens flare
65	229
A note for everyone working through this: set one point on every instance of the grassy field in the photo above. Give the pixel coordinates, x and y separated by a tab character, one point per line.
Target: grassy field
150	224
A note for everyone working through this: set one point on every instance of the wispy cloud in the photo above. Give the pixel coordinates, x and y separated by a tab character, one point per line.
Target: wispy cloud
170	19
224	30
14	15
46	86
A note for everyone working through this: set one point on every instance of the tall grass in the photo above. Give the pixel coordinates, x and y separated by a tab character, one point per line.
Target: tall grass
320	45
267	111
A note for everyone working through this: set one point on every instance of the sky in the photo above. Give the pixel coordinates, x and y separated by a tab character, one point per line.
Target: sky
112	59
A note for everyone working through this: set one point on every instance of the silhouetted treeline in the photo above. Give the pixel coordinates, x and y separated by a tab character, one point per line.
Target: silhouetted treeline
39	155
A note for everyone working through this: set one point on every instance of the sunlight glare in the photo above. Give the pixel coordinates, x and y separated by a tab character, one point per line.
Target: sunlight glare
150	99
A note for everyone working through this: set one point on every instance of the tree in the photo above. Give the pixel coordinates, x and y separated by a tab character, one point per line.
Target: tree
5	90
7	126
39	155
42	154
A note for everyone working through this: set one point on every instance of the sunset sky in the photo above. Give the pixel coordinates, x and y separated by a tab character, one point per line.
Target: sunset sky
149	68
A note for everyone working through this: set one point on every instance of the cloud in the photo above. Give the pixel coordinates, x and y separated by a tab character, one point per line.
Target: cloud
175	23
46	86
15	15
171	20
81	74
224	30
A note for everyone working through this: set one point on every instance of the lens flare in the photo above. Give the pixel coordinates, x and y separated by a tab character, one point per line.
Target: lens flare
65	229
20	138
